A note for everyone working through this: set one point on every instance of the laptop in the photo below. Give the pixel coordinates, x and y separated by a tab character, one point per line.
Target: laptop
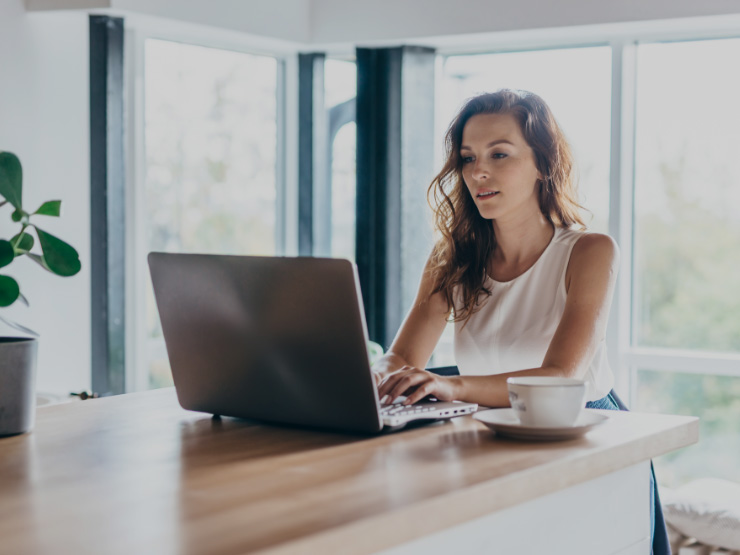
277	339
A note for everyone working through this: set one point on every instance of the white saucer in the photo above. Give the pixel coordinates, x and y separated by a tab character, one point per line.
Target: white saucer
505	423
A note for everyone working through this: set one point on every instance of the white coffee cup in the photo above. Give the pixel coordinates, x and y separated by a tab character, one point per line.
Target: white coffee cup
545	401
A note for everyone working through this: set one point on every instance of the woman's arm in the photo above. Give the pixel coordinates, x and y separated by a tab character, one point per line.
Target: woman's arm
590	279
419	333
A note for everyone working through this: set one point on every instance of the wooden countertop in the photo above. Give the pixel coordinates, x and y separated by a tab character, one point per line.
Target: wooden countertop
138	474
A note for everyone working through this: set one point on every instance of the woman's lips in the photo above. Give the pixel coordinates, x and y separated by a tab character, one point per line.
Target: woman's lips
486	194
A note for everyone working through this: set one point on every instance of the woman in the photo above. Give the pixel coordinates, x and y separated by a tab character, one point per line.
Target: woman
529	294
528	289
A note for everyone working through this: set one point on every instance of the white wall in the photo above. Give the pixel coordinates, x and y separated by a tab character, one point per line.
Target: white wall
281	19
44	119
383	20
324	22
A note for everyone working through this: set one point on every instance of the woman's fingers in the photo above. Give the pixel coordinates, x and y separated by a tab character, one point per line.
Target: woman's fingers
391	384
415	384
404	383
387	386
387	383
422	391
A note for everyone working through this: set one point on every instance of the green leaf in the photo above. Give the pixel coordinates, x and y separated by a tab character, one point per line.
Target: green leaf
17	215
25	244
11	178
40	261
50	208
60	258
6	256
9	290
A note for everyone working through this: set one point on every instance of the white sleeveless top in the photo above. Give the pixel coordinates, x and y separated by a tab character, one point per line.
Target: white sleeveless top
513	328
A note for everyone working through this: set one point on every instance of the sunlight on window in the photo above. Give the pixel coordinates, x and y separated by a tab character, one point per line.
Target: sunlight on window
687	194
211	140
340	85
716	401
340	81
344	193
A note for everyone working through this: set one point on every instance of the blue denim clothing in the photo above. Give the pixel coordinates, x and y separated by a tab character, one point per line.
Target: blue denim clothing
607	403
658	530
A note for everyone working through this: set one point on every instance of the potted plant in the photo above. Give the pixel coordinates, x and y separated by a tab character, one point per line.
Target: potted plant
18	354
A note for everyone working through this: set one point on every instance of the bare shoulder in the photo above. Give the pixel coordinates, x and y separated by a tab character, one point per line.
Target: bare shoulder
594	258
595	248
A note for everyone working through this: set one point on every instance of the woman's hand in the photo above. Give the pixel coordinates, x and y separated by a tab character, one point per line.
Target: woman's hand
417	384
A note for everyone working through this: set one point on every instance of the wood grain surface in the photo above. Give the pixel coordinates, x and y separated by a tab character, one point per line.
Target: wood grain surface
138	474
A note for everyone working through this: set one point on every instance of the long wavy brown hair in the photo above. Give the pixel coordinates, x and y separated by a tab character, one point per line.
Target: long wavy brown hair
466	241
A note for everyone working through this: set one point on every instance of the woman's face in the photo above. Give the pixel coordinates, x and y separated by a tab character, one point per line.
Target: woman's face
498	166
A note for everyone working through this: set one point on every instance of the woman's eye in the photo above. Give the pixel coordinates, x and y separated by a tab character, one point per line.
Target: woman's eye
467	159
500	155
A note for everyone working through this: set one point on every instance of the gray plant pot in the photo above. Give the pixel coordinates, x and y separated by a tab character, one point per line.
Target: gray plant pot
17	384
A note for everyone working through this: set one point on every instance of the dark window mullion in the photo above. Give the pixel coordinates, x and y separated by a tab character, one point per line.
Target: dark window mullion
395	102
107	202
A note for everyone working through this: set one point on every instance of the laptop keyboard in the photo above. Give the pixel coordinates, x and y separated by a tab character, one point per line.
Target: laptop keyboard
398	410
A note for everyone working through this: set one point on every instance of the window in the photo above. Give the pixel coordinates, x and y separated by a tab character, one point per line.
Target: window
715	399
687	194
687	248
344	192
575	83
210	164
340	90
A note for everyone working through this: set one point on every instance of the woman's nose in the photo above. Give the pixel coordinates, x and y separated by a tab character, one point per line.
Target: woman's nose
480	171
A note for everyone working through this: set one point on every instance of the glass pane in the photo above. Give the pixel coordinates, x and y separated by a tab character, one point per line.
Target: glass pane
687	193
211	142
340	81
575	83
344	193
716	401
340	85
